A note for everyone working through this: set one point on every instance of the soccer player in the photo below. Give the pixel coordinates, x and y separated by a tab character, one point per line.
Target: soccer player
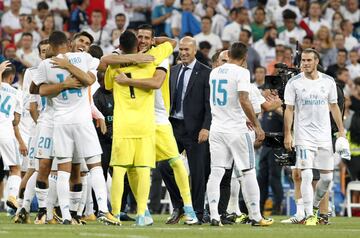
73	128
166	147
310	95
133	125
229	137
10	112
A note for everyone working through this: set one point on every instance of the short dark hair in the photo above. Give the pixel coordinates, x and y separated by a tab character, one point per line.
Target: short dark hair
95	51
247	32
43	42
97	11
10	70
313	51
42	6
120	15
147	27
26	34
341	70
57	38
357	81
342	51
309	38
260	9
204	45
288	14
206	18
86	34
237	50
128	41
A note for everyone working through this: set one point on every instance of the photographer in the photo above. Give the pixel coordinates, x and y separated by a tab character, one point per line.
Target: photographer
310	95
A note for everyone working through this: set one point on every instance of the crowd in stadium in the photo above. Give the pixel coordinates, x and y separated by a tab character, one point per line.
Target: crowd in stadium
133	103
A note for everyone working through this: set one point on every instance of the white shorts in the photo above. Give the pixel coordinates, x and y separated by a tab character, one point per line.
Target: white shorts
314	158
76	141
43	141
226	148
9	152
31	152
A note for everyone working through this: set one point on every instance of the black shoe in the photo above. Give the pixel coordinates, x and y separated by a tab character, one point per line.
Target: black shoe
206	217
323	219
125	217
23	217
175	217
216	223
226	219
67	222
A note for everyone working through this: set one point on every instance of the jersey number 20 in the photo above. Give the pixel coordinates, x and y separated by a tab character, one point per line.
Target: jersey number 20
219	93
3	107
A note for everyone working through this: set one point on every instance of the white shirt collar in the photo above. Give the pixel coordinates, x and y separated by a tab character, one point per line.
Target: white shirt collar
191	65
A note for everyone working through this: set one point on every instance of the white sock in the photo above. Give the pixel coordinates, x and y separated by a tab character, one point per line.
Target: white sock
75	198
233	206
41	195
14	185
213	191
307	192
89	208
322	187
29	191
99	185
108	185
83	195
300	212
251	193
52	197
63	192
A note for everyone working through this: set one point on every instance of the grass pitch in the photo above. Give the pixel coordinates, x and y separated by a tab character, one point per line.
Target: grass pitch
340	227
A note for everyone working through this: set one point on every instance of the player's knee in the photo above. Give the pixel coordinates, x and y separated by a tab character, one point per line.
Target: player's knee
326	178
307	176
41	184
296	174
172	162
247	172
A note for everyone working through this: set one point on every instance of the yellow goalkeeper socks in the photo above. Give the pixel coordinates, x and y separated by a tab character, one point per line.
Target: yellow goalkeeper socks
117	188
182	180
143	189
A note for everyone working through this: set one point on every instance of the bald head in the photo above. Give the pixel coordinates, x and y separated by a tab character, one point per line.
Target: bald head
187	50
223	57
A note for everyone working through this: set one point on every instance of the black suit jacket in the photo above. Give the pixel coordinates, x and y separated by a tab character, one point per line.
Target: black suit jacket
196	106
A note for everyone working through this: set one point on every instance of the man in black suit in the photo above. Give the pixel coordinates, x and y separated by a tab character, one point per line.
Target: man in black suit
190	117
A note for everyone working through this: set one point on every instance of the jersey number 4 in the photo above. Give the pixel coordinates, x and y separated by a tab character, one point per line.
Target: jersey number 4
219	93
60	77
4	107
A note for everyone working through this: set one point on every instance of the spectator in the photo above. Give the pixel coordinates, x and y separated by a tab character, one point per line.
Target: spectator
347	30
202	55
41	13
280	8
292	33
27	25
253	58
232	31
258	25
315	21
339	41
266	46
343	80
207	35
336	21
354	66
60	10
279	58
259	76
161	18
218	21
185	21
48	27
25	8
327	48
101	37
351	11
303	6
340	63
78	18
10	22
138	12
202	6
120	21
332	6
27	55
113	8
307	42
10	54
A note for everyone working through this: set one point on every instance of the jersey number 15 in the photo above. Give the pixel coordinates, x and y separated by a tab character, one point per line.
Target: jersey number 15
219	93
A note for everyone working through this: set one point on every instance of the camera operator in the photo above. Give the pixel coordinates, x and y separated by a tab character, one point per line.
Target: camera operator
310	95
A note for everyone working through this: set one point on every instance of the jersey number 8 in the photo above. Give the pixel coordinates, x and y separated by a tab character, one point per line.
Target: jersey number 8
219	93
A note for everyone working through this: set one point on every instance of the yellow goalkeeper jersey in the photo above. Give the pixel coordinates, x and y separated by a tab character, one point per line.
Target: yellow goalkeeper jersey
134	108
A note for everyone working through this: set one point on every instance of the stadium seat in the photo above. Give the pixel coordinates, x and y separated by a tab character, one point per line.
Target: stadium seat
352	186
